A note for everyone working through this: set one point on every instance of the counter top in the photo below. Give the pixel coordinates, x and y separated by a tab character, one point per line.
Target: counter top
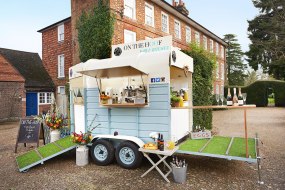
126	105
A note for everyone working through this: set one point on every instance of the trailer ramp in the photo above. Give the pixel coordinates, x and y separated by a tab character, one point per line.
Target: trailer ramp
44	153
231	148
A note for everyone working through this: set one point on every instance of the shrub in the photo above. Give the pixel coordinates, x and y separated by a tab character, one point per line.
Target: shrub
204	64
95	32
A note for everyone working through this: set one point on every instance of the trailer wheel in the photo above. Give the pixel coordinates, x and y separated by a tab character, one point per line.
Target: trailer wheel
128	155
102	152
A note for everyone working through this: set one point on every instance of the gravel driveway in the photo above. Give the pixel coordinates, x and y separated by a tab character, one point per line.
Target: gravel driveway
203	173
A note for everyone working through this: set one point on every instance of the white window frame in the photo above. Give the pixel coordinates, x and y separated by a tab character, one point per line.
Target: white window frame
217	89
179	29
60	32
222	52
222	89
211	46
152	14
205	42
217	48
167	22
60	66
188	34
197	37
222	71
218	71
58	90
132	7
45	96
128	32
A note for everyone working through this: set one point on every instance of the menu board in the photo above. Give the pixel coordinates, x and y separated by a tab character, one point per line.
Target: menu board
29	132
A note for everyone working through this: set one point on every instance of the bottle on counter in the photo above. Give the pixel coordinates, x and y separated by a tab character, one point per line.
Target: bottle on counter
161	146
235	98
229	98
240	98
158	141
181	103
186	98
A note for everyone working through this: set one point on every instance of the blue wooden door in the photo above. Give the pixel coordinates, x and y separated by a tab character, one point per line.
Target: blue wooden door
31	103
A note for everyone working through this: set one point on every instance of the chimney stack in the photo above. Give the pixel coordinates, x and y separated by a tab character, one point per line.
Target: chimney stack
180	7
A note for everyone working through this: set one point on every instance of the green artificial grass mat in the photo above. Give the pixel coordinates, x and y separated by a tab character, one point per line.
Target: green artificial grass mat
218	145
48	150
27	159
65	142
193	145
238	148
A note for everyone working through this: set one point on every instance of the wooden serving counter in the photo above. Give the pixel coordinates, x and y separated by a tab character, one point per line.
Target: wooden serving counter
216	107
127	105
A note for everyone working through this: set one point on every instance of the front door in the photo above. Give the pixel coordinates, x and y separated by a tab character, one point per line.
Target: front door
31	103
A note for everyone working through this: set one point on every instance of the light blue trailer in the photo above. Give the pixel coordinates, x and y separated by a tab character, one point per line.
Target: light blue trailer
153	65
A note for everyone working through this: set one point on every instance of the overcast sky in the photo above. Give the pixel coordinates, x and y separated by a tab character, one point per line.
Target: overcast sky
20	20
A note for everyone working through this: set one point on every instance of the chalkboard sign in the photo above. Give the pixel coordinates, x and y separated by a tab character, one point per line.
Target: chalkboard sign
29	132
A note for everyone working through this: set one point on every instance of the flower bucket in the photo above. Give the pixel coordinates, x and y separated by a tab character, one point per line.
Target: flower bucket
82	155
54	135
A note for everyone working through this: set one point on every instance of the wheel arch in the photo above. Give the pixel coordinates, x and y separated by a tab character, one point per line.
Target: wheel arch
137	141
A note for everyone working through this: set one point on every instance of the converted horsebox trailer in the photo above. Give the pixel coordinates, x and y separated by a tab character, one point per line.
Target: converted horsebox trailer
127	98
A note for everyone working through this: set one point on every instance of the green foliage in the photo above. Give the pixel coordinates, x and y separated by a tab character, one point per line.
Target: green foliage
95	33
173	96
258	92
267	34
175	99
234	54
204	64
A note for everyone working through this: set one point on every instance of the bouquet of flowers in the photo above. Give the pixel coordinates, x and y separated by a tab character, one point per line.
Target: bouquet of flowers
55	120
104	98
81	138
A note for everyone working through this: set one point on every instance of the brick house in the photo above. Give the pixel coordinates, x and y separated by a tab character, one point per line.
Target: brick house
25	86
135	20
57	58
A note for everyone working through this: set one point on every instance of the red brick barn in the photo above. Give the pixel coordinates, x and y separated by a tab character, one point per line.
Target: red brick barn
25	86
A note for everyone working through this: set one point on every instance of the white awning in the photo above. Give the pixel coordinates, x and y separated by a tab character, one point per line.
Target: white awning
113	67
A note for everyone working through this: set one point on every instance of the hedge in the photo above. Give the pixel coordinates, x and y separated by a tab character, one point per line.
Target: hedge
204	64
257	92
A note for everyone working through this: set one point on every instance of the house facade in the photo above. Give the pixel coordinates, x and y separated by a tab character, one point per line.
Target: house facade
25	86
57	57
135	20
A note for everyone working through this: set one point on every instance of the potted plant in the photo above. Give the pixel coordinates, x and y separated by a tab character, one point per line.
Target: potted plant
82	139
55	121
174	101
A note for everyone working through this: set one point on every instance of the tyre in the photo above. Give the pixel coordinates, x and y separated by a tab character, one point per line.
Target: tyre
102	152
128	155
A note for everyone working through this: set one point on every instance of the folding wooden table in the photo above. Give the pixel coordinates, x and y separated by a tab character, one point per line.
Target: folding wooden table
162	157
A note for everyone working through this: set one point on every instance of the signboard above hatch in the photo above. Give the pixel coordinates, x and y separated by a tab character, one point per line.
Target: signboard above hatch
144	46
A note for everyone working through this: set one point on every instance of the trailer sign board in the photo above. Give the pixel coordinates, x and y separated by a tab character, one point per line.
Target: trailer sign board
144	46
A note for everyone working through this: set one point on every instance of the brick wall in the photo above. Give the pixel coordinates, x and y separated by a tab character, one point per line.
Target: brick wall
52	48
11	104
139	27
8	72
